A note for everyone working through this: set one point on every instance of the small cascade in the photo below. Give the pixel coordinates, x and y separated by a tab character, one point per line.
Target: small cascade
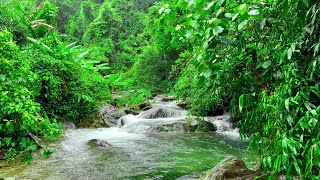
223	125
162	112
152	119
168	113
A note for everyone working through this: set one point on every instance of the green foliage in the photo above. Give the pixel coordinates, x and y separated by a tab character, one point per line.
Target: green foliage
151	70
14	20
132	99
46	154
20	114
69	86
262	60
104	25
46	81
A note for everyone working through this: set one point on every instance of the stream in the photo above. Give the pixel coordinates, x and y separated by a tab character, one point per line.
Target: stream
137	152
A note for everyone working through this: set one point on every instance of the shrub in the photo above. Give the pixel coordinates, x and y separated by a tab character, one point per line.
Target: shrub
20	114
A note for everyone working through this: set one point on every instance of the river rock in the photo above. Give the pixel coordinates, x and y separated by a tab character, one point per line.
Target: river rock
168	99
146	108
130	111
173	127
143	105
98	123
110	114
99	143
194	124
160	112
183	105
230	168
154	94
68	125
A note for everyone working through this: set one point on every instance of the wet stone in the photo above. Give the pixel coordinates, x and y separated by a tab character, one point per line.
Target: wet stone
168	99
143	105
155	113
99	143
146	108
183	105
68	125
230	168
130	111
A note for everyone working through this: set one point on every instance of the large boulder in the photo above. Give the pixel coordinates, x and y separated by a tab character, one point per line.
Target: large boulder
230	168
110	115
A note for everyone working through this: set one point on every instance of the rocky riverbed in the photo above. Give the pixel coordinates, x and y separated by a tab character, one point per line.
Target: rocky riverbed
153	144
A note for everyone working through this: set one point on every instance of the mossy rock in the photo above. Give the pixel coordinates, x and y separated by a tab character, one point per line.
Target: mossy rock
231	168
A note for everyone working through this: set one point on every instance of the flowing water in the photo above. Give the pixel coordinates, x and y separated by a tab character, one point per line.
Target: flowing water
136	153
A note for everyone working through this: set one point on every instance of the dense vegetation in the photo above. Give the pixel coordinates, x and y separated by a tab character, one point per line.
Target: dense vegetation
260	59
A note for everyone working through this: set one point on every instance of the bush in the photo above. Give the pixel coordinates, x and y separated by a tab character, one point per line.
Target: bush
70	88
132	99
20	114
151	70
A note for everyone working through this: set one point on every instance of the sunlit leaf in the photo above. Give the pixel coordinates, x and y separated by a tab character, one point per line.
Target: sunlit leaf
217	30
266	64
254	12
241	102
235	16
208	73
286	104
289	53
242	24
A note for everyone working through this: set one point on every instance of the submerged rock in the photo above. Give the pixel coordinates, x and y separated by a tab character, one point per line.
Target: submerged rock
99	143
110	115
230	168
